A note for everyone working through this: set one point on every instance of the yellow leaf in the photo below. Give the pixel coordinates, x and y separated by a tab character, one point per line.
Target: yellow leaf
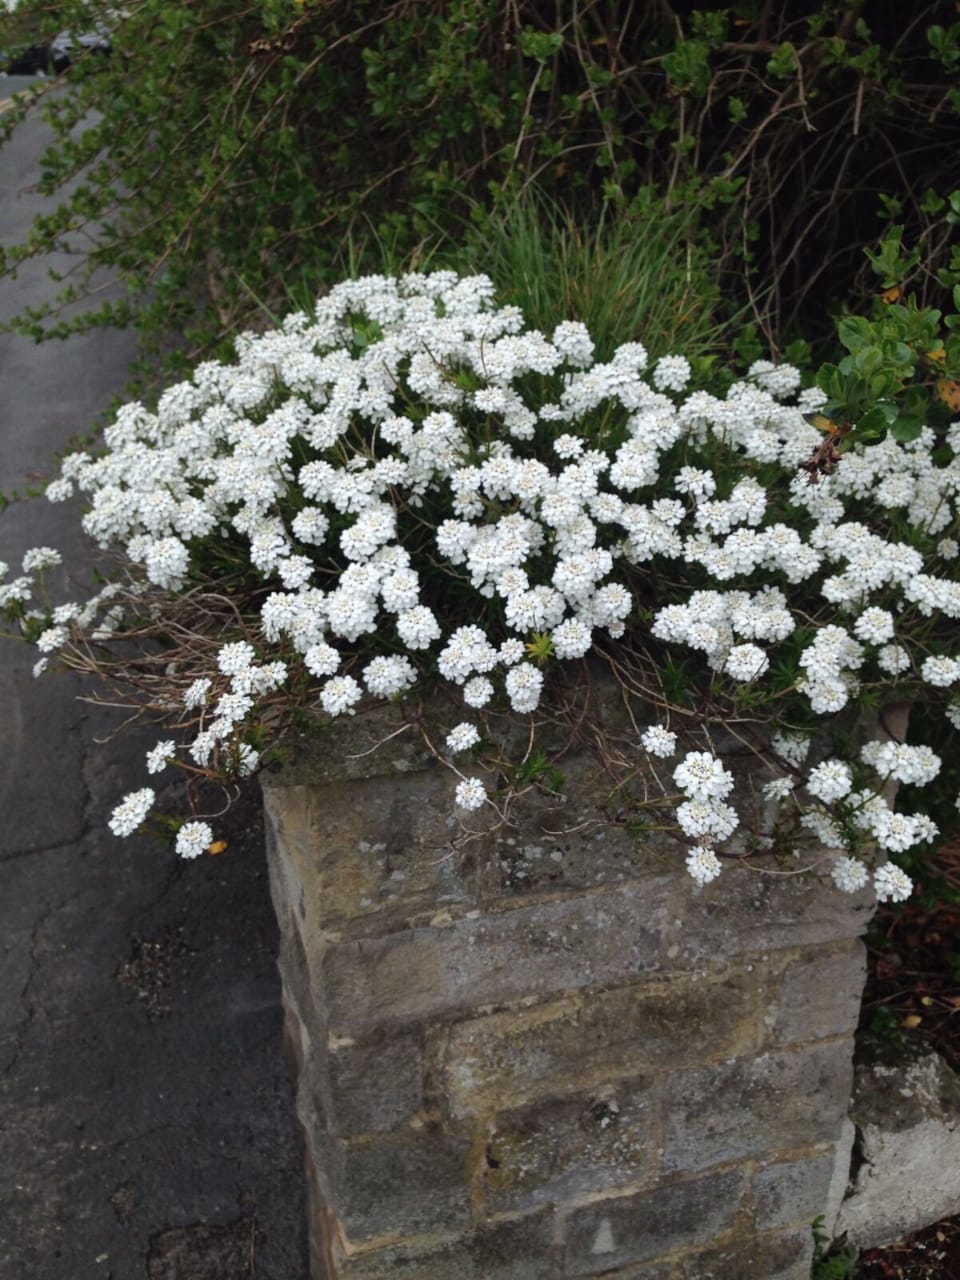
911	1021
926	1000
822	423
949	392
937	356
891	295
218	846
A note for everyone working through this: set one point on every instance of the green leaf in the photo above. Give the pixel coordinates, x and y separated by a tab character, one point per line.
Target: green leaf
906	428
737	110
873	424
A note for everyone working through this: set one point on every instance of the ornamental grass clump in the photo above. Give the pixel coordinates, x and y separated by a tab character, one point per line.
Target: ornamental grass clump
408	496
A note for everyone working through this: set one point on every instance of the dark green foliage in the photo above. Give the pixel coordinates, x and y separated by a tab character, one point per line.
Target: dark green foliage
831	1261
241	150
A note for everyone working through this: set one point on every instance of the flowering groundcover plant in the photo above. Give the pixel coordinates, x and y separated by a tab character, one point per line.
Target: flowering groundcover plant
407	490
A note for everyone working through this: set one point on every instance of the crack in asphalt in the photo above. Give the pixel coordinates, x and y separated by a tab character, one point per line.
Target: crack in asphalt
26	1022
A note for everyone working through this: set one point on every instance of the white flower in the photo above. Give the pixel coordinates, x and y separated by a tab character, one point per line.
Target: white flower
418	627
193	839
470	794
295	571
38	558
159	757
59	490
339	695
131	811
902	762
166	562
874	626
699	818
321	659
462	737
53	638
940	671
702	777
243	759
571	639
196	694
567	446
893	658
703	864
234	658
891	884
524	684
659	741
746	662
386	677
829	781
477	692
791	747
671	373
849	874
40	666
778	788
572	339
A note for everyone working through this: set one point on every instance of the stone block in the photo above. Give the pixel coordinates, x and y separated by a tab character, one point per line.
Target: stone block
558	1150
351	749
511	1249
746	913
533	950
752	1106
350	867
617	1232
400	1185
908	1120
791	1192
555	843
785	1256
819	994
375	1084
506	1059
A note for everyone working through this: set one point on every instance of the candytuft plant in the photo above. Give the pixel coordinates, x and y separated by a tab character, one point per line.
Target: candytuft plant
406	495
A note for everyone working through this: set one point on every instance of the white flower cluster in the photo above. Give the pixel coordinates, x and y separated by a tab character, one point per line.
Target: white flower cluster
410	428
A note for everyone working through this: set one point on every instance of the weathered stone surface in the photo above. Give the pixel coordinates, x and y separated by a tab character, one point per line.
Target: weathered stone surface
908	1118
557	844
780	1257
356	869
644	1271
750	1106
819	994
789	1192
376	1083
617	1231
557	1150
512	1249
360	747
586	1038
535	950
746	913
403	1185
535	1053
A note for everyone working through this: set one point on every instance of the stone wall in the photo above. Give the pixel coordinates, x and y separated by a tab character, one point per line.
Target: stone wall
544	1052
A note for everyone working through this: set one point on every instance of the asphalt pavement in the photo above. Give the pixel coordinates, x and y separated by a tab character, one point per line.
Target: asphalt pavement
146	1119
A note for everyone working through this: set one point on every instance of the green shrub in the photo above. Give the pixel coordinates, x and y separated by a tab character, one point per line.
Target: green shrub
237	151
